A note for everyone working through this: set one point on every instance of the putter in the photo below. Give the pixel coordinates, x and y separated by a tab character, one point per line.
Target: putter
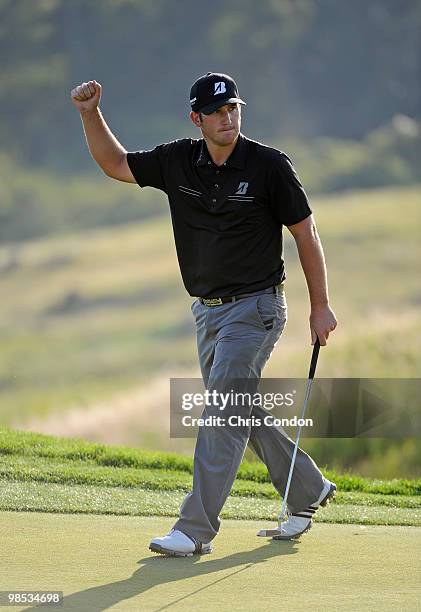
269	533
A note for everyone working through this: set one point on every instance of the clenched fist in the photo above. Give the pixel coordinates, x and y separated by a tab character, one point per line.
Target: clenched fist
86	96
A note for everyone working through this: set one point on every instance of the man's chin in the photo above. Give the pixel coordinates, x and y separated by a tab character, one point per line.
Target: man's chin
228	137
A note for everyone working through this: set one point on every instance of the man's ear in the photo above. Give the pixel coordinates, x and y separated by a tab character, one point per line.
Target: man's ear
196	119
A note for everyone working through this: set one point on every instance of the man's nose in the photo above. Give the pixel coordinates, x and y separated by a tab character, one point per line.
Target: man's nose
227	118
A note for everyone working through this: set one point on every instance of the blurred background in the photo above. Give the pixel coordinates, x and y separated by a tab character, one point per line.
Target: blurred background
94	319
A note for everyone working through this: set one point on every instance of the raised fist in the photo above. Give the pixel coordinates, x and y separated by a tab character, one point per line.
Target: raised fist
86	96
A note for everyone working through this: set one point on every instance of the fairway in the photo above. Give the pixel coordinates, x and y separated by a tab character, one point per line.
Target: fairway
103	562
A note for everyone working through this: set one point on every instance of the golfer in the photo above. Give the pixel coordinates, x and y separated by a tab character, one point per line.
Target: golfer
229	199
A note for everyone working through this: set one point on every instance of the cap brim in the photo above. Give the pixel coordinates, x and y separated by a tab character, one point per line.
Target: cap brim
211	108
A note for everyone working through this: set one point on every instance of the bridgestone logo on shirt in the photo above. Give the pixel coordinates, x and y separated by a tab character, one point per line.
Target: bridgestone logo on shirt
243	215
242	189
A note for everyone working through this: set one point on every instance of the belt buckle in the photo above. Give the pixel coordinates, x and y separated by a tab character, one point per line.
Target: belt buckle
212	301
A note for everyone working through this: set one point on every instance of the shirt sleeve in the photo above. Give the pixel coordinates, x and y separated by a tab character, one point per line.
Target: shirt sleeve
149	168
288	199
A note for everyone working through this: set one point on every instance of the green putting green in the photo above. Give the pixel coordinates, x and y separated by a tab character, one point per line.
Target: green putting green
103	562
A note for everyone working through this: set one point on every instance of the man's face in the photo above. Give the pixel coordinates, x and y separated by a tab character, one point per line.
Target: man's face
220	127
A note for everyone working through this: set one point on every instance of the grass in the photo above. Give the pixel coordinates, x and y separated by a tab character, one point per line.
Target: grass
102	562
45	474
28	447
24	496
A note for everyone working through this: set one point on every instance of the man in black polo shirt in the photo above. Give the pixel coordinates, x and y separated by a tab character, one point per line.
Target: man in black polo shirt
229	198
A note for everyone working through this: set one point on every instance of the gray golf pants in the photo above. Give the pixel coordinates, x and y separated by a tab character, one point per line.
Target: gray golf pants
234	341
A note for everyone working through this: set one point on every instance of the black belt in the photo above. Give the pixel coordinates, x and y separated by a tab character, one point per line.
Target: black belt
224	300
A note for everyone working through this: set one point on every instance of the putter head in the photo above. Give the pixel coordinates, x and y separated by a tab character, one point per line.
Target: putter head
269	533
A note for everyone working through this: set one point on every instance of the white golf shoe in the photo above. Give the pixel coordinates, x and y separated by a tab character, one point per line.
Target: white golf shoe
300	522
178	544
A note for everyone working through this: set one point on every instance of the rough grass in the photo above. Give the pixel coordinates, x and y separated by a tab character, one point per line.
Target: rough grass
26	453
45	474
32	496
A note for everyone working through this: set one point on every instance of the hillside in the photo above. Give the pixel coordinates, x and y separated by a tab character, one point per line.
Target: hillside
104	312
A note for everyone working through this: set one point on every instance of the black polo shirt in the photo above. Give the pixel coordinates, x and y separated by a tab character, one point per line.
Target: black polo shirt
228	219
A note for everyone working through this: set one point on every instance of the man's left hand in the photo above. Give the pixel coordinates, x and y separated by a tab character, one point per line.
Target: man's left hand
322	322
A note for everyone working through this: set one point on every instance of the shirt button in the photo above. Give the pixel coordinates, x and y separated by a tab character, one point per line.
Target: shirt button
214	200
218	171
209	163
216	186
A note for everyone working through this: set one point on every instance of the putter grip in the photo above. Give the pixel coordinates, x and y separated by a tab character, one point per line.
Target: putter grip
314	357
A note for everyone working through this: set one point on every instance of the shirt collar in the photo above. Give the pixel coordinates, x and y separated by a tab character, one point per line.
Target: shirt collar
237	159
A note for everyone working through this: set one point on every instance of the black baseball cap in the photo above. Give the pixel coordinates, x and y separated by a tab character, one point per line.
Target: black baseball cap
213	90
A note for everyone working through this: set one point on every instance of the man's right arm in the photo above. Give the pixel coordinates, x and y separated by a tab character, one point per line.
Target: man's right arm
104	147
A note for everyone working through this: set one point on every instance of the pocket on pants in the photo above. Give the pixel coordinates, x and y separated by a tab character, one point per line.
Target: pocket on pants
271	310
200	314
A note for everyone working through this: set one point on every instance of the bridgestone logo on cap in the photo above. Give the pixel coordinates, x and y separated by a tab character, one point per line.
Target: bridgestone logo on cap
219	88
